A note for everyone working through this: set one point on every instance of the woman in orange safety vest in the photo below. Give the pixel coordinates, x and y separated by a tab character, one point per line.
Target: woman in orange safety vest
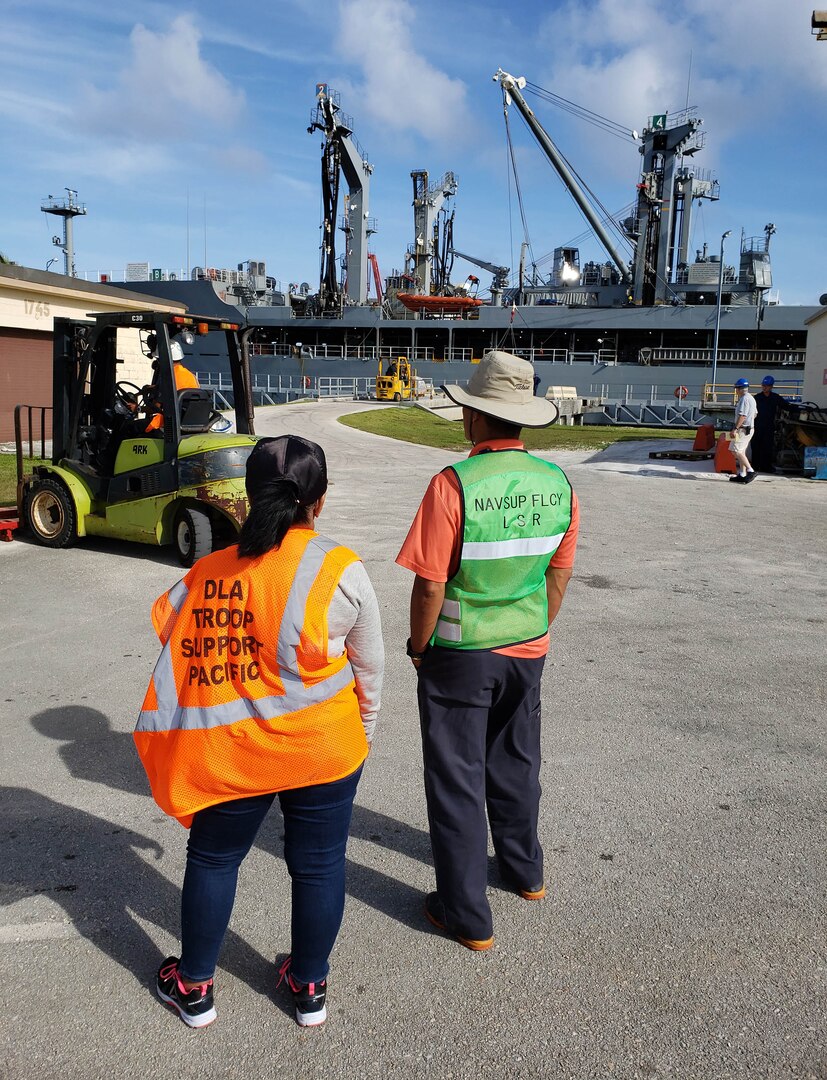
268	685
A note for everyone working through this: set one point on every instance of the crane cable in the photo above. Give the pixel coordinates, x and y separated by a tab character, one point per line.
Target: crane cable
612	128
594	199
516	179
630	246
619	130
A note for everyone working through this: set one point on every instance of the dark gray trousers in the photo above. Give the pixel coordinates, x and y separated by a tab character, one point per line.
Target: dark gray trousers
480	719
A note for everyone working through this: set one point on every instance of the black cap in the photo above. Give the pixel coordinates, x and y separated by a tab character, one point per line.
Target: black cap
288	457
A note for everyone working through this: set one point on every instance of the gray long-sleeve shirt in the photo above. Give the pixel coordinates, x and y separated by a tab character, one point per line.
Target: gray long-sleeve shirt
354	626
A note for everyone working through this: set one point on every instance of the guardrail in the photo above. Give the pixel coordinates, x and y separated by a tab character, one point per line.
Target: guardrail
745	357
724	394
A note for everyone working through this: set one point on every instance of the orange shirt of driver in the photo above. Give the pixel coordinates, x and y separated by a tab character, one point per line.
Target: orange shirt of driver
184	380
433	545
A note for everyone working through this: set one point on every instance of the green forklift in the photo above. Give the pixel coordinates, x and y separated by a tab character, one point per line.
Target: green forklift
153	464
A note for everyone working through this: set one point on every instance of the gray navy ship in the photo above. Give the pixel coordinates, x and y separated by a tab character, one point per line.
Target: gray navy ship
648	315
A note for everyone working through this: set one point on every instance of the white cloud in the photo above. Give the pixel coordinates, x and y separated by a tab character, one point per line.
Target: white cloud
165	87
400	87
633	59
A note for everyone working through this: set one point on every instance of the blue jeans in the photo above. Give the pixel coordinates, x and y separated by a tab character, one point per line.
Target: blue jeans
316	825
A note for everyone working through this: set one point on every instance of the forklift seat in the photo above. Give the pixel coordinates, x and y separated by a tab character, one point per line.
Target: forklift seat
196	411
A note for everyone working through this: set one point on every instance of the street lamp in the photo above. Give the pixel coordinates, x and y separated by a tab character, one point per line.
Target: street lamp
718	312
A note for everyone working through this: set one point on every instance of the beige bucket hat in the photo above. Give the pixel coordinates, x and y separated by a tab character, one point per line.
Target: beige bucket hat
503	387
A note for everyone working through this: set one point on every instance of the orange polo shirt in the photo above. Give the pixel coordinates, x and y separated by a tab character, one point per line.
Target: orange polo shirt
432	546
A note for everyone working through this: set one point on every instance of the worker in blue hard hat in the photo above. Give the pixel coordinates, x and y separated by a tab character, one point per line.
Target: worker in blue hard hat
767	402
742	430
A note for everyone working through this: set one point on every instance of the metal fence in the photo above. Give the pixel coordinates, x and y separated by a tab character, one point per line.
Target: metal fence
278	389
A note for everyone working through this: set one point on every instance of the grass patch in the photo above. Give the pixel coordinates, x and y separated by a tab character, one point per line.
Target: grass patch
8	476
418	426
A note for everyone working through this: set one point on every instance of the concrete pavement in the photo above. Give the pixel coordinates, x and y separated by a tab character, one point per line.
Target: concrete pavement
683	816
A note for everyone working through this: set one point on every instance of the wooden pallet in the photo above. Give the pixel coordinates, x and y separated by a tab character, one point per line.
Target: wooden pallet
683	455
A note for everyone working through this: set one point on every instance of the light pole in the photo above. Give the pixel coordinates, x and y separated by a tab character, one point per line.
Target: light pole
718	312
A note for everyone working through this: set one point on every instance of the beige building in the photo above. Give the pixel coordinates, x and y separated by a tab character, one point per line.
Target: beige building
815	364
30	301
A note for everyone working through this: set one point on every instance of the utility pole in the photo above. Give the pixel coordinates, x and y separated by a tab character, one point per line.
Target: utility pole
68	209
718	312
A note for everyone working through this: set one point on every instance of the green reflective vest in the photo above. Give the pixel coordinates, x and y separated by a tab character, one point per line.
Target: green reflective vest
516	511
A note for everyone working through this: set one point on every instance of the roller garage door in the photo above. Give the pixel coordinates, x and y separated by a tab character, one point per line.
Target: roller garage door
25	374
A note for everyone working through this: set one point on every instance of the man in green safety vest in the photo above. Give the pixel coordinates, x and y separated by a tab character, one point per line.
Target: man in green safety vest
492	547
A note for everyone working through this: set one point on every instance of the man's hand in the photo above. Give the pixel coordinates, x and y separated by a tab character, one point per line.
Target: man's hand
557	578
426	603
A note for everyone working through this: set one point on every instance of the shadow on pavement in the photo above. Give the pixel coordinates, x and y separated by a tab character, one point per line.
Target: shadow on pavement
92	869
91	750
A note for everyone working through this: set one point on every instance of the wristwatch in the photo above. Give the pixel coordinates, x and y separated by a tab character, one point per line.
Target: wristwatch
414	655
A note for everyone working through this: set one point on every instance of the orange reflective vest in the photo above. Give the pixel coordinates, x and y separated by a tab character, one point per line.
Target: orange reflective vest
244	698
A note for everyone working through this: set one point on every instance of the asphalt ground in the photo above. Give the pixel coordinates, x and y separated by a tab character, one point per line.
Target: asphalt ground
683	814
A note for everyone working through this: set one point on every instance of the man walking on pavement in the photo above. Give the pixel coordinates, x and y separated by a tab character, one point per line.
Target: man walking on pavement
742	429
492	547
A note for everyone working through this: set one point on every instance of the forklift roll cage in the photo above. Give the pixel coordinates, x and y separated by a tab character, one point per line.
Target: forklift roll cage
81	393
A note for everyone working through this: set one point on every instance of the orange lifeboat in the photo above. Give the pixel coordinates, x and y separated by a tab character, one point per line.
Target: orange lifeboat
433	305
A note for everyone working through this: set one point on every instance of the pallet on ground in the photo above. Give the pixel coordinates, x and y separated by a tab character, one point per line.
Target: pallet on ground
9	521
683	455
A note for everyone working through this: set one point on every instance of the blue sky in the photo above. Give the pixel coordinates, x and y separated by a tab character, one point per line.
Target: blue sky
146	107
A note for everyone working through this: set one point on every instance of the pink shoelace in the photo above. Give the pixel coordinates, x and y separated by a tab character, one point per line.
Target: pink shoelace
284	973
172	969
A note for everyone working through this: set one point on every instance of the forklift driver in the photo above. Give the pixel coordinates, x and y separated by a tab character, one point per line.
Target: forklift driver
184	380
152	422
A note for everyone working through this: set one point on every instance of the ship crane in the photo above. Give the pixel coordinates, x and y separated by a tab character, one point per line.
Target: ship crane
501	274
342	152
427	266
511	88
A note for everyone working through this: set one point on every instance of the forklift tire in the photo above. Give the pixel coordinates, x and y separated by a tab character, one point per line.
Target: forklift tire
50	514
192	535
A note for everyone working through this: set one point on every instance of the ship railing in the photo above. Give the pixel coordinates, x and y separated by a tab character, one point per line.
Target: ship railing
646	393
596	357
747	357
351	352
553	356
724	394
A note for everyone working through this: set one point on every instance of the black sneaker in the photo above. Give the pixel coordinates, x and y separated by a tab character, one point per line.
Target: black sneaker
309	998
195	1007
749	477
737	479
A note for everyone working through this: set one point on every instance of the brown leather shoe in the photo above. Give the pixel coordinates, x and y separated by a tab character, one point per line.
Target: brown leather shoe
435	914
537	893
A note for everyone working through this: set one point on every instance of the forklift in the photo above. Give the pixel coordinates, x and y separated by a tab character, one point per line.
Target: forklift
151	463
398	382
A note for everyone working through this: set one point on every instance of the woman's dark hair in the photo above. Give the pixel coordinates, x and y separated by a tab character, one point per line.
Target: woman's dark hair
273	510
